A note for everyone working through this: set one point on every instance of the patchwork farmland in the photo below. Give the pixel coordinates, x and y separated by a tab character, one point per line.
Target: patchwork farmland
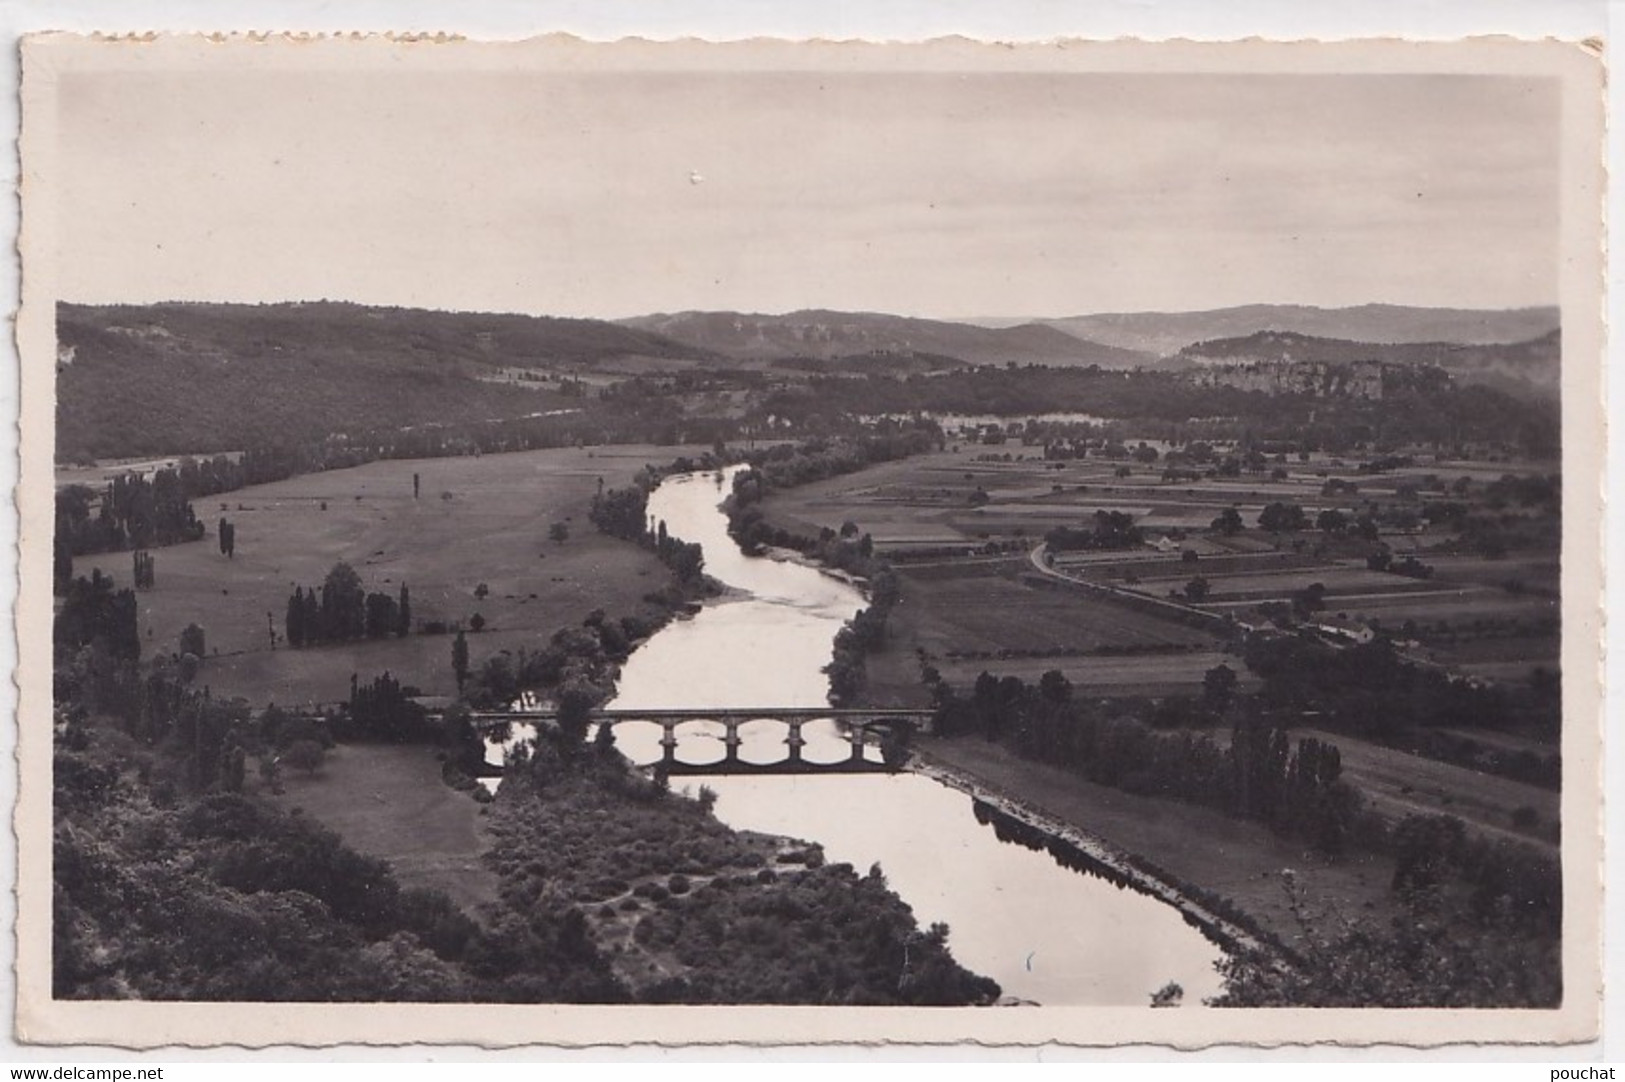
1400	557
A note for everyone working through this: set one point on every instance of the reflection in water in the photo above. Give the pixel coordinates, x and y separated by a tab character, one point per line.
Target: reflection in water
1044	932
1012	831
762	741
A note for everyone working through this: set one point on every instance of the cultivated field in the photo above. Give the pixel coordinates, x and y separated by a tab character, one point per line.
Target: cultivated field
1147	675
478	520
1534	574
934	514
994	615
983	620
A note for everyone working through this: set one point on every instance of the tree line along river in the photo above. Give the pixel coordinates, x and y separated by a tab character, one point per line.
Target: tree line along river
1047	934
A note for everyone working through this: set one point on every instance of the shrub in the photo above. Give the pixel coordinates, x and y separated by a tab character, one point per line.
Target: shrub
306	755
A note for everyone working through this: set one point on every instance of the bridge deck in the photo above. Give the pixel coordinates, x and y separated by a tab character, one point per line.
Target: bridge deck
863	724
730	713
783	767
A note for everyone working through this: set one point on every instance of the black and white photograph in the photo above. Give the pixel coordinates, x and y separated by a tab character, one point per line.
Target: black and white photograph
1077	543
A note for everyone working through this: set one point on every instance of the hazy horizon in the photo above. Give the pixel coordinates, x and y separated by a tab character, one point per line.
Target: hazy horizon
936	195
977	320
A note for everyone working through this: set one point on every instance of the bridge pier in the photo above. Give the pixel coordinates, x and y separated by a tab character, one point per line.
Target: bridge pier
794	740
858	724
855	735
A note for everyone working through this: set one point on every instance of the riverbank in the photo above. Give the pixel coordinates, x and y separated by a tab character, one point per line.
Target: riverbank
1237	861
1071	845
686	909
801	559
679	906
475	540
1012	912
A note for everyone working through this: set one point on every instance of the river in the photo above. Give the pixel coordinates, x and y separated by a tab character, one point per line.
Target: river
1046	934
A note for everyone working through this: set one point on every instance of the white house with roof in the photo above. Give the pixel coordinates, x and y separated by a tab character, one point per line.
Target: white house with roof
1344	629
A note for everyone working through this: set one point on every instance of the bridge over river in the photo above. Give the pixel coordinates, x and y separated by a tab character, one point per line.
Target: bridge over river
862	727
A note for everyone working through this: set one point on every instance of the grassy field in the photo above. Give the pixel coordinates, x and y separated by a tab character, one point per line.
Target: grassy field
1398	784
1239	860
1526	649
389	802
1536	574
479	520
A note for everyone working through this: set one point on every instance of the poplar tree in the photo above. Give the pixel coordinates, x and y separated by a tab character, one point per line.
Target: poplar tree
459	659
295	620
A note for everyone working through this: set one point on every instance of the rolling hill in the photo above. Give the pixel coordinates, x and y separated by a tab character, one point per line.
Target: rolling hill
820	334
203	377
170	378
1166	333
1516	367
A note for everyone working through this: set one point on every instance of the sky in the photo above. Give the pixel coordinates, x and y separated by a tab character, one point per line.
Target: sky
940	194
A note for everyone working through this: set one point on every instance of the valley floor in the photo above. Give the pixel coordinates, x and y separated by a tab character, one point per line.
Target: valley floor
1241	861
389	802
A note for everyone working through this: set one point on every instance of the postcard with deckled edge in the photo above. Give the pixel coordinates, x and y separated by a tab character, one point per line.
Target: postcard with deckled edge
565	543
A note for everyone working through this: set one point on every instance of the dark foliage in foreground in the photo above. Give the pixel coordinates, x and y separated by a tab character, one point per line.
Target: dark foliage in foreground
701	913
1432	954
172	882
222	897
92	611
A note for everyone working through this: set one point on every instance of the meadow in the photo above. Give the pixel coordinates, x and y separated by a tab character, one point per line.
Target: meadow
476	520
1397	784
390	803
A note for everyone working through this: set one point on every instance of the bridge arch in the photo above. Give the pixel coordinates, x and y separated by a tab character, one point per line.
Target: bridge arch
865	730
